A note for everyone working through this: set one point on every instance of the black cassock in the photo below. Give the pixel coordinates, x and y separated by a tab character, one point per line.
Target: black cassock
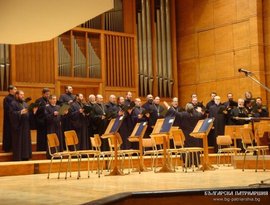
100	124
149	107
172	112
21	137
41	124
217	111
124	130
54	123
7	141
66	98
79	123
187	122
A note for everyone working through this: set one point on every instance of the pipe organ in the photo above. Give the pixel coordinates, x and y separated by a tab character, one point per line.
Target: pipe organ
162	55
4	66
111	20
64	59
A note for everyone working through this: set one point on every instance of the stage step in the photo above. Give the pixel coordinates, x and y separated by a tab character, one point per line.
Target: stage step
41	166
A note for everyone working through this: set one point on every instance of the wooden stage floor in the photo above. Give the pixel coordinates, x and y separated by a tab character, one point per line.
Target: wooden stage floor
37	189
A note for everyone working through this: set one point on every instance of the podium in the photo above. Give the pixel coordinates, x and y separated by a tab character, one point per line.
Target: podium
201	130
162	129
136	136
112	133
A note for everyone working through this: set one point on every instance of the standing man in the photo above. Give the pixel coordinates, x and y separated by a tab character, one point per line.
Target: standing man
100	121
20	118
53	119
7	141
173	109
211	102
149	108
259	109
41	120
79	122
67	98
216	111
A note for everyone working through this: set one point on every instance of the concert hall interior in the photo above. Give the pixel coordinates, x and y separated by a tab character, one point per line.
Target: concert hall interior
134	101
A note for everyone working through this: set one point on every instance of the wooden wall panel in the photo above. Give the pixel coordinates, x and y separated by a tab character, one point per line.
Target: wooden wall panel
188	70
242	59
185	18
224	65
207	69
203	14
242	9
185	93
188	46
241	35
223	39
35	62
224	11
206	43
228	36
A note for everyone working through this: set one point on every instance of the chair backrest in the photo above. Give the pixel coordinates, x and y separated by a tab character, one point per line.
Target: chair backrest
178	138
119	141
247	136
53	143
94	143
157	141
71	139
147	143
261	128
224	140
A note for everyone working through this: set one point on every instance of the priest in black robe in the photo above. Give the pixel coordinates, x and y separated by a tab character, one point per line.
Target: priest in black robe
173	110
188	119
218	111
123	130
21	137
211	102
66	98
79	122
53	118
100	120
41	120
7	141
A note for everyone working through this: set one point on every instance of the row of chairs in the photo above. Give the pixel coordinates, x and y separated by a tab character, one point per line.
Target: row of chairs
71	141
248	140
151	146
154	148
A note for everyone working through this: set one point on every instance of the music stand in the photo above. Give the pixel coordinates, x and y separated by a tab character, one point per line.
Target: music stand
201	130
162	128
112	132
136	136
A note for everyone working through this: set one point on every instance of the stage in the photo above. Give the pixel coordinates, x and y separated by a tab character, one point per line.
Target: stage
37	189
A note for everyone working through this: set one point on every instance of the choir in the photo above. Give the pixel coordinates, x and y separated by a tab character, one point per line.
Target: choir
91	116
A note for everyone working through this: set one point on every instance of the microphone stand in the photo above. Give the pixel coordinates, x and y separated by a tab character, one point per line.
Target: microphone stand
251	76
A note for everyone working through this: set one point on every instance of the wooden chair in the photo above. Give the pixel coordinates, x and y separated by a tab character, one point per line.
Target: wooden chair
158	143
247	141
177	136
53	146
72	141
123	153
192	152
149	149
224	143
96	145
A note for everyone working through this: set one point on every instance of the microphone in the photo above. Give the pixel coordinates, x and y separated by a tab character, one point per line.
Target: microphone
244	71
